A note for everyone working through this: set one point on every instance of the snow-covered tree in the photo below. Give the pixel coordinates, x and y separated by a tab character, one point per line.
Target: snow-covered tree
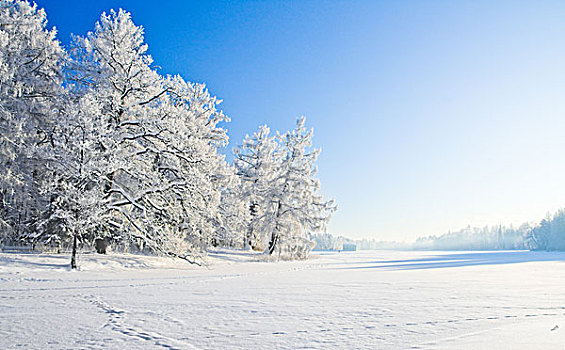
30	86
281	191
257	163
75	184
298	207
233	213
97	145
154	154
189	156
128	93
549	234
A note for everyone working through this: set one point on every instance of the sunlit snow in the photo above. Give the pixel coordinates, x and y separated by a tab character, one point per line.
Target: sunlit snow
347	300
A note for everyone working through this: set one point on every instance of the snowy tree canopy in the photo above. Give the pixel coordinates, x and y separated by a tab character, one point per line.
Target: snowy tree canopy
281	191
132	158
31	61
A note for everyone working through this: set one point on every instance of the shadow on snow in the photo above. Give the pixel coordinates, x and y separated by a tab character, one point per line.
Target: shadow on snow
461	260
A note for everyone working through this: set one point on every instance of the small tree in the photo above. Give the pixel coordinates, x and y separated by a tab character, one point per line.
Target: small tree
257	163
281	191
298	207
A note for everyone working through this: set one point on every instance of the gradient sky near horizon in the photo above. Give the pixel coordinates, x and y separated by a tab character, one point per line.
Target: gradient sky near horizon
431	115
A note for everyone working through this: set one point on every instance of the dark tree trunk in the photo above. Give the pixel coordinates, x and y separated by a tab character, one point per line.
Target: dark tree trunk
273	242
275	234
247	239
101	244
74	253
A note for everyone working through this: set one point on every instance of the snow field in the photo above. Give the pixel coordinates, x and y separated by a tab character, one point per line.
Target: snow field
358	300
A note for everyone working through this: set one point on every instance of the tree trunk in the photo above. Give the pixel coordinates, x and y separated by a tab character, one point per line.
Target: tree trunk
74	253
273	242
275	234
101	244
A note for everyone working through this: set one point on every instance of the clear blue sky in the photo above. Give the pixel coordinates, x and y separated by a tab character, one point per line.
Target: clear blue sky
431	115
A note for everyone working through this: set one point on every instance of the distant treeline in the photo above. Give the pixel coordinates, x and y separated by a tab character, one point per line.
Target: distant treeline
548	234
472	238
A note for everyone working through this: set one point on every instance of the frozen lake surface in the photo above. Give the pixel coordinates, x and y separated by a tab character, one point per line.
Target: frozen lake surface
348	300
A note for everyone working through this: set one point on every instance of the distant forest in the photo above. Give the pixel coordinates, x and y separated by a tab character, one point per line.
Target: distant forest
548	234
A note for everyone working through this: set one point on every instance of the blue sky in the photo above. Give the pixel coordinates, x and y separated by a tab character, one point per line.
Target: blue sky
431	115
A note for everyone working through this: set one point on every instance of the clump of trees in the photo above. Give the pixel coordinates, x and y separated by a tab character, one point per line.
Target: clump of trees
278	184
474	238
326	241
549	234
96	145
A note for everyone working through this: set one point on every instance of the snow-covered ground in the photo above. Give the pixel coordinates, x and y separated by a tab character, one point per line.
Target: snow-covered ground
353	300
